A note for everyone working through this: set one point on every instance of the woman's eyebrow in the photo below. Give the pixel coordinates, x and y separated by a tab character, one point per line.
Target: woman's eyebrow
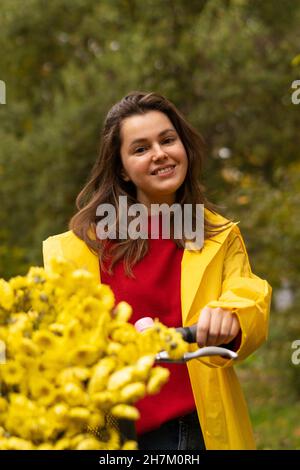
143	139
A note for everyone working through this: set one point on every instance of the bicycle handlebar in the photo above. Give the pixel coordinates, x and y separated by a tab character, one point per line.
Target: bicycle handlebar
189	334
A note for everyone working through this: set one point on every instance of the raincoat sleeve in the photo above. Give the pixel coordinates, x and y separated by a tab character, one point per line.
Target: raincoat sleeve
246	295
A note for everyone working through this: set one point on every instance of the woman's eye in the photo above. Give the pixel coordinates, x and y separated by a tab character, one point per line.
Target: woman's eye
169	140
140	150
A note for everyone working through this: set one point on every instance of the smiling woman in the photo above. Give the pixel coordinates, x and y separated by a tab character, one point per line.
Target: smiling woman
142	135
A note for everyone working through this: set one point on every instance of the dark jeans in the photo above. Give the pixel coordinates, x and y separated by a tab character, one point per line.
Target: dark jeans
182	433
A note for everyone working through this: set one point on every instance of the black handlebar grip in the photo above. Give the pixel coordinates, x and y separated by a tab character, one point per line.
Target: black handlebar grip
188	333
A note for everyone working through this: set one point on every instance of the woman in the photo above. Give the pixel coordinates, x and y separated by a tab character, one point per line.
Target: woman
152	155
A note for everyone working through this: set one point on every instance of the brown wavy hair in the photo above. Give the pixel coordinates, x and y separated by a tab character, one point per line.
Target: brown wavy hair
106	184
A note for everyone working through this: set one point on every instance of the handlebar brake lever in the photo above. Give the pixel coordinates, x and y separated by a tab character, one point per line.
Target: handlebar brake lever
163	356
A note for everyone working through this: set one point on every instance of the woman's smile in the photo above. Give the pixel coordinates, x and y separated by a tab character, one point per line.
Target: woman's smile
164	171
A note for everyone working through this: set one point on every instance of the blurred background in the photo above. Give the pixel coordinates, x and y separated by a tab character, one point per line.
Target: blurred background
229	66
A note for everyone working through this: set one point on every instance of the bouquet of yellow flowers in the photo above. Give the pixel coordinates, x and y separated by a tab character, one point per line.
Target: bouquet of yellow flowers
73	364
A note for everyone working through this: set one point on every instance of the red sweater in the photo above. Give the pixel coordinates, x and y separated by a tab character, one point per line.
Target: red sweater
156	293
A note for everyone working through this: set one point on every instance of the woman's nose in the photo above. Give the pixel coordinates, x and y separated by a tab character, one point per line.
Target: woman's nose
158	152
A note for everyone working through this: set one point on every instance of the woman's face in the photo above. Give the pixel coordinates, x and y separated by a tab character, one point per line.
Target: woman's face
153	157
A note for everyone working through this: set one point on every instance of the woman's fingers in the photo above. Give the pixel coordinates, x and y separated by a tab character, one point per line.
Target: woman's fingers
215	327
203	326
226	326
235	328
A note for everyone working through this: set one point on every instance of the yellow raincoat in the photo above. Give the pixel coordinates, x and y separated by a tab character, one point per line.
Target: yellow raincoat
218	276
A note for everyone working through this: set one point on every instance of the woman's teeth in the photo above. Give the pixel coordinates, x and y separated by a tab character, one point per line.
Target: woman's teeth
165	170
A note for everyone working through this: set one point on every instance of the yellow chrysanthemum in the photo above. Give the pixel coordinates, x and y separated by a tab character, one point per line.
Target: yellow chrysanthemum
84	355
124	334
120	378
45	340
36	276
42	390
57	328
90	443
12	373
113	441
28	348
60	411
19	282
79	414
158	377
74	363
101	373
15	443
73	394
96	419
122	312
143	367
125	412
105	400
63	444
60	267
129	353
133	392
73	374
130	445
107	296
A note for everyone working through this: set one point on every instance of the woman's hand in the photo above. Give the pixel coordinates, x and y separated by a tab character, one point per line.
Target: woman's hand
216	326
